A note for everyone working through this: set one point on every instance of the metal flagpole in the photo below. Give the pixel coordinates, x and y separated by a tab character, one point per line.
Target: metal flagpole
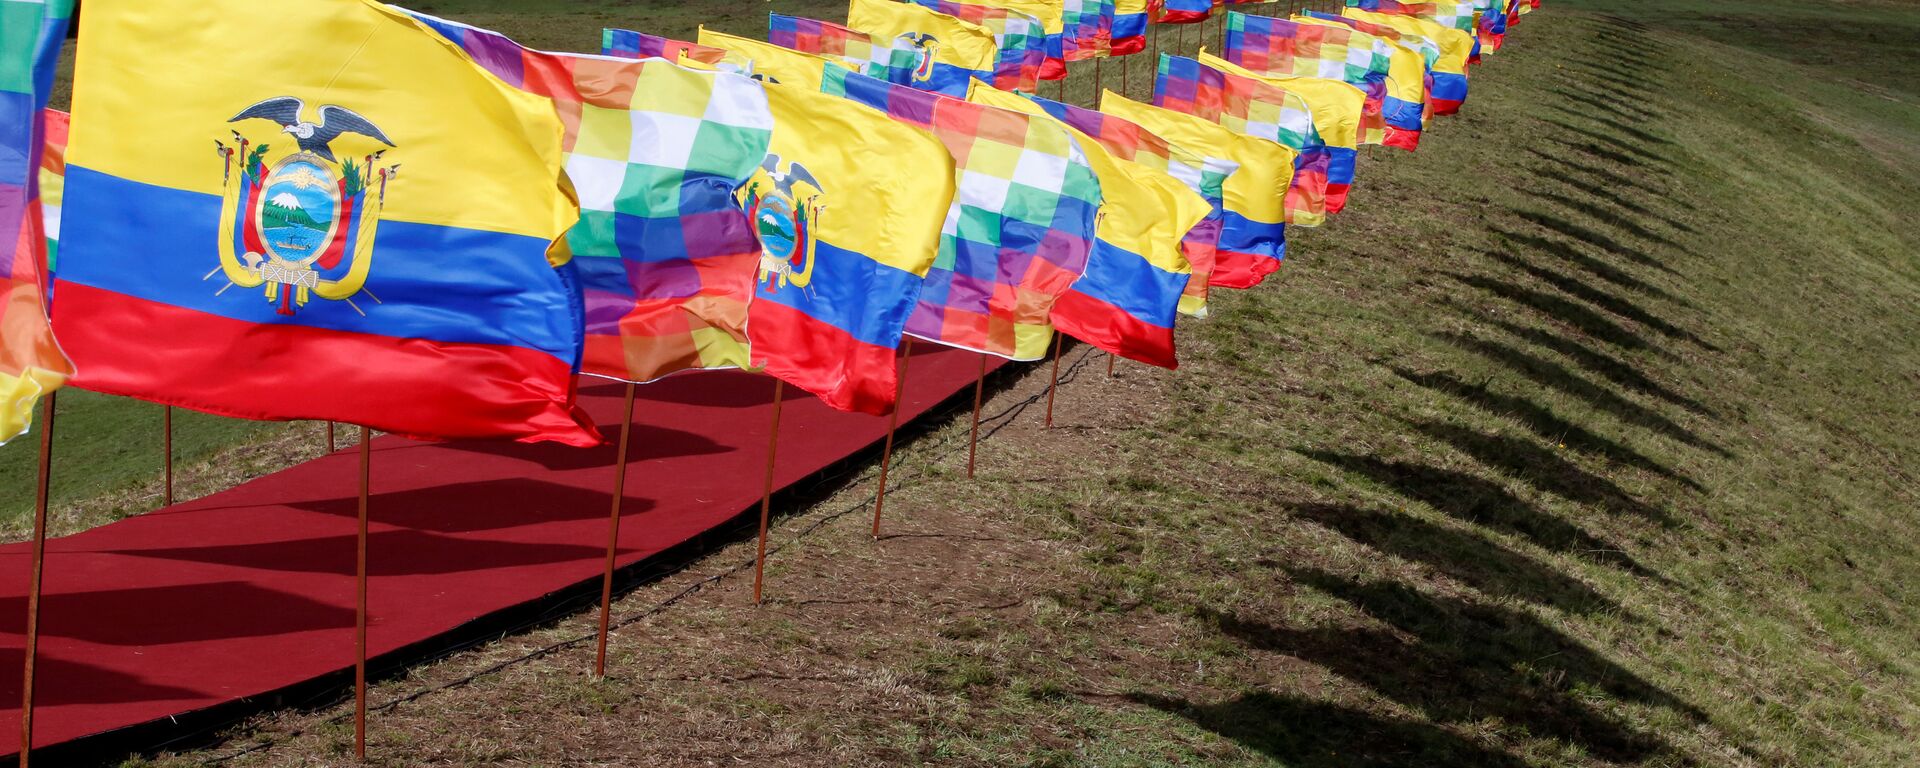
360	607
37	553
613	535
166	425
766	496
893	423
1058	341
973	437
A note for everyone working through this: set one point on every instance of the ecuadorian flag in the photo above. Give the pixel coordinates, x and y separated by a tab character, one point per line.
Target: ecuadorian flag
1052	17
848	207
892	61
1183	11
1129	27
1253	227
1128	298
339	217
953	52
1021	36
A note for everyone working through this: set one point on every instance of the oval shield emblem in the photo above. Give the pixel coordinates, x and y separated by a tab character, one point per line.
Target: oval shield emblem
298	209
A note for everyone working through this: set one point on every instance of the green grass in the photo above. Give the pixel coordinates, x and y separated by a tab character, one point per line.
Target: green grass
1586	436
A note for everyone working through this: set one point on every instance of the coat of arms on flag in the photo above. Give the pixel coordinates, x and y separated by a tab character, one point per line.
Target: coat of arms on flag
299	221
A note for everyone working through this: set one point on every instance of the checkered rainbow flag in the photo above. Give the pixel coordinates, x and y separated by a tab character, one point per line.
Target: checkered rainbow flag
666	255
1088	29
1204	175
1463	15
1256	109
1281	47
1447	51
1020	229
1404	107
857	50
31	364
1022	38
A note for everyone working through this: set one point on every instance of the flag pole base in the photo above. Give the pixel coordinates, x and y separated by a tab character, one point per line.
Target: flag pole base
766	495
893	425
973	436
613	536
1058	341
37	554
360	607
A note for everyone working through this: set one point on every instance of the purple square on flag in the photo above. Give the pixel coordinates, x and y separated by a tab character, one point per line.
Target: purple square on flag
664	279
604	310
967	291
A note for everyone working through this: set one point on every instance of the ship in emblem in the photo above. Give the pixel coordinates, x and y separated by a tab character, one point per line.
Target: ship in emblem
299	223
785	204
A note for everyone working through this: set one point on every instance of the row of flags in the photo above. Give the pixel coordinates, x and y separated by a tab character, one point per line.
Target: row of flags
426	228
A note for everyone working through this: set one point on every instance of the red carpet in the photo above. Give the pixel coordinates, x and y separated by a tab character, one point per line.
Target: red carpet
250	591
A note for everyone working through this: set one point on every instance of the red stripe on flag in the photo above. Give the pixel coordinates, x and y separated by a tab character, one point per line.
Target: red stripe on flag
1241	270
842	371
1113	330
412	387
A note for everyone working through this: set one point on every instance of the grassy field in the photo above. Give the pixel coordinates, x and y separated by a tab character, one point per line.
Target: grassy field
1588	435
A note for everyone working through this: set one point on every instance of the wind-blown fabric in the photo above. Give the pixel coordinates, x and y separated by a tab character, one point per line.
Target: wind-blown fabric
1409	81
955	52
1126	302
836	254
1449	49
1052	16
657	155
1337	108
1462	15
628	44
1493	25
894	63
763	61
434	303
1022	223
1280	47
53	181
1256	109
1089	29
1020	230
1129	27
1253	229
1021	37
848	206
31	363
1182	11
1205	176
